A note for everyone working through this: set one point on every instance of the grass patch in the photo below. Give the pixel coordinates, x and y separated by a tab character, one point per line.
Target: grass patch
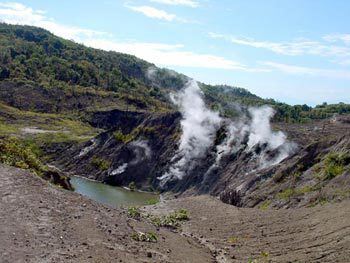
152	201
100	163
333	166
8	129
145	237
134	212
286	194
172	220
121	137
141	130
15	152
265	205
232	240
62	127
24	154
293	192
264	257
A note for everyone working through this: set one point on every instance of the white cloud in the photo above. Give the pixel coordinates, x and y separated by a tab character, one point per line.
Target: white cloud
338	37
16	13
158	53
154	13
294	48
169	55
189	3
298	70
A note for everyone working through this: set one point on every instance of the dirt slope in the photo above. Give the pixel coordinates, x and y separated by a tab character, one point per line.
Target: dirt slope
319	234
41	223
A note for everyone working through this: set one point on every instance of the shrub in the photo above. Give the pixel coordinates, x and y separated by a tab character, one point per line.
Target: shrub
172	220
145	237
134	212
292	192
152	201
132	186
265	205
16	153
121	137
100	163
286	194
334	164
232	240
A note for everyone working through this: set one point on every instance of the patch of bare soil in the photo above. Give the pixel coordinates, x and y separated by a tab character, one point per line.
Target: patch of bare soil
35	130
42	223
318	234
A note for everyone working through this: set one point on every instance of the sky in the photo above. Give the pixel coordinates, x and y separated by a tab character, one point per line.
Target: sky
294	51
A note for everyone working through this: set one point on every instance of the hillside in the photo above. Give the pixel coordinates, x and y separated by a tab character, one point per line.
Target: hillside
37	61
233	177
84	109
59	75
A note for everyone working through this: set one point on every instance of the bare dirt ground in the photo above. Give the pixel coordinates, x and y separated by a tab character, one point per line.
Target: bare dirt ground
319	234
41	223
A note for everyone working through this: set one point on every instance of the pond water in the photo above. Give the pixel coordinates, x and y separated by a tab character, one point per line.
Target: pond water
110	195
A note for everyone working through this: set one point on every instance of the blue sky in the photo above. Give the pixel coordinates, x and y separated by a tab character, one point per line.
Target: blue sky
295	51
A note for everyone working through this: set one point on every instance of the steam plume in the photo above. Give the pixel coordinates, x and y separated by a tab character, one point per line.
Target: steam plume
121	169
199	125
141	150
260	129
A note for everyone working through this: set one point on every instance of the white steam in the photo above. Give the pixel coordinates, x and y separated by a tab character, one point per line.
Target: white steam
87	149
260	129
141	150
151	73
121	169
199	125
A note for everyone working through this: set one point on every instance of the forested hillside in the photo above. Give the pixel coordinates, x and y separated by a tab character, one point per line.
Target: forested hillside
36	66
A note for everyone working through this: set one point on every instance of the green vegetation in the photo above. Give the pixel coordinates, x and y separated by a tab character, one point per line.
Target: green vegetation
125	138
33	56
79	80
132	186
265	205
225	99
100	163
8	129
16	153
286	194
264	257
293	192
138	131
145	237
232	240
152	201
134	212
51	128
172	220
335	163
24	155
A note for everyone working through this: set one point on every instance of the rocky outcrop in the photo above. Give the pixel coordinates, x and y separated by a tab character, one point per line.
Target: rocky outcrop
140	147
135	148
57	178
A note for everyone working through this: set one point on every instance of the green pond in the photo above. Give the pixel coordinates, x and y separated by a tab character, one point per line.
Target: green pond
110	195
